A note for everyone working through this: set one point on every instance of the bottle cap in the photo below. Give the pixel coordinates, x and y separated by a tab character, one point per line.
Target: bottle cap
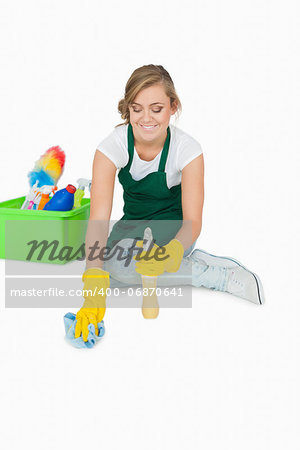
70	188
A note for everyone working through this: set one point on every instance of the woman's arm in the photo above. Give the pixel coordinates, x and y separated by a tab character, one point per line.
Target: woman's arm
102	190
192	196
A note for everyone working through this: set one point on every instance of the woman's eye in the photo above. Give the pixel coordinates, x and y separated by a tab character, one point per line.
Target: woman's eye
139	110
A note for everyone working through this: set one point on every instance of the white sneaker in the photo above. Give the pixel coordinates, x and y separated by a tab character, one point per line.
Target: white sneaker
241	281
245	284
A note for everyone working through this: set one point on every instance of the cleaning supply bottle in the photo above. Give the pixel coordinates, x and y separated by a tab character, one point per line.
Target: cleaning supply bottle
63	200
82	184
46	190
30	196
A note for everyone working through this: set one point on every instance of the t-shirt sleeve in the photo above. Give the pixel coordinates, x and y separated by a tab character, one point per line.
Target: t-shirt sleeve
188	150
114	147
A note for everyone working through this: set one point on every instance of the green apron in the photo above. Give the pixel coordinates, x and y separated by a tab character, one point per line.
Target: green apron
147	200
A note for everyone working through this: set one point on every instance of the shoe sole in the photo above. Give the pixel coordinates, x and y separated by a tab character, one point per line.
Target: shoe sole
209	261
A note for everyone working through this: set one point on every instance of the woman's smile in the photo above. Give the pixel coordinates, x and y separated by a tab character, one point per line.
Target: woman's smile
148	127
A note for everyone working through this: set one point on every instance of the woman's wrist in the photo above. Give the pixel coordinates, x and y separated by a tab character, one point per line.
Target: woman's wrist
93	265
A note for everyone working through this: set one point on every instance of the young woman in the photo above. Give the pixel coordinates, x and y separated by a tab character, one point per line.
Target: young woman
161	170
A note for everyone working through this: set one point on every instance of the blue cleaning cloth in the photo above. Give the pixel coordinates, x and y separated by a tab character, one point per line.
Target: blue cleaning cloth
70	323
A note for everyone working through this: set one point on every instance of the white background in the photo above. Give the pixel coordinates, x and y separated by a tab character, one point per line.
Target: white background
225	373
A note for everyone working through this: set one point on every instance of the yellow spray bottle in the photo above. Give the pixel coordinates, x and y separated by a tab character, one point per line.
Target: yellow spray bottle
150	307
79	194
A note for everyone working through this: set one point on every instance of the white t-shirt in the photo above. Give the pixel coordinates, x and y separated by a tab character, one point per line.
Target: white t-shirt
182	150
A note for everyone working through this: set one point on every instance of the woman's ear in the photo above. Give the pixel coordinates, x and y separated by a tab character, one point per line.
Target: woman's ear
174	107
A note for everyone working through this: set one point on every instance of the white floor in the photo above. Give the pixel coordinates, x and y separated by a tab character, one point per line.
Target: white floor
224	372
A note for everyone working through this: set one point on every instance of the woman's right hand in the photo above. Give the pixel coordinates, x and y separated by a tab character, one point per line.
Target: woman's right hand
96	281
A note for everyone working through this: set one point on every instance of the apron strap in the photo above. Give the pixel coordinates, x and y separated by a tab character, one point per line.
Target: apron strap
130	140
163	156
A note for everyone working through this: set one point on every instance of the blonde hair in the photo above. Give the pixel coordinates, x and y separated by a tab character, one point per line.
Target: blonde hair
144	77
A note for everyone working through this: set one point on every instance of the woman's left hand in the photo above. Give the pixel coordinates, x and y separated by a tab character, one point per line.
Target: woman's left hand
159	260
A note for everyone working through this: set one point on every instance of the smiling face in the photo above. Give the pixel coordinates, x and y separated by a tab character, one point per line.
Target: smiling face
150	115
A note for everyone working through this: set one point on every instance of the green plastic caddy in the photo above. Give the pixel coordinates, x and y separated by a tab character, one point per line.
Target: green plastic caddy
53	237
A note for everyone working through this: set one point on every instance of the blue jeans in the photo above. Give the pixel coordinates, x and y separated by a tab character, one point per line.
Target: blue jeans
189	250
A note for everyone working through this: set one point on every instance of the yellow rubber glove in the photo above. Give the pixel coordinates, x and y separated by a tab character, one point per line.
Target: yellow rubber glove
155	266
95	280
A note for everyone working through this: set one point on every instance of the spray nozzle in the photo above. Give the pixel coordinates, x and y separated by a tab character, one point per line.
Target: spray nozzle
83	183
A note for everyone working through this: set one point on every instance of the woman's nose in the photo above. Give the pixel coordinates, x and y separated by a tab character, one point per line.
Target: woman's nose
147	116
